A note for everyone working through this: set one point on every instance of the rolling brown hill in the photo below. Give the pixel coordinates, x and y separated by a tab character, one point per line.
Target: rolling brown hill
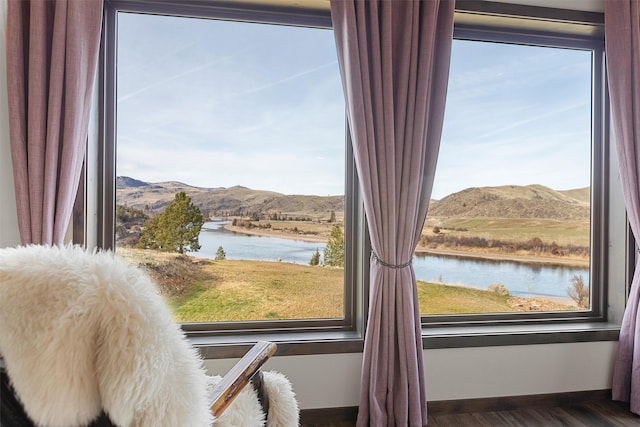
156	196
509	201
512	201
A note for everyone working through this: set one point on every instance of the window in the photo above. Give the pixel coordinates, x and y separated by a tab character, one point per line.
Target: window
515	224
229	153
262	109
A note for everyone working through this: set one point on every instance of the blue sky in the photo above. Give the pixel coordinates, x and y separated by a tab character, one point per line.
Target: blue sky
217	104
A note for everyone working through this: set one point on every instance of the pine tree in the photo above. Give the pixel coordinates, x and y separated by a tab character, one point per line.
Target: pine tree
334	251
315	258
176	229
220	254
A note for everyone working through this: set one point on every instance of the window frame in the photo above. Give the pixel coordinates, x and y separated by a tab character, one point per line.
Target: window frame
530	25
348	327
94	215
599	178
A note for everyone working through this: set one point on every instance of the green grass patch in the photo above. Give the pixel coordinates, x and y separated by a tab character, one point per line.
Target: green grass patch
437	298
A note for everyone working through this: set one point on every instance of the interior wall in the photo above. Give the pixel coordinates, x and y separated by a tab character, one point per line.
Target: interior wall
8	220
333	381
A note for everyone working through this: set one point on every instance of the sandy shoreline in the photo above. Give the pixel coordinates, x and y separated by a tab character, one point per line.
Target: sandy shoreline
525	259
272	233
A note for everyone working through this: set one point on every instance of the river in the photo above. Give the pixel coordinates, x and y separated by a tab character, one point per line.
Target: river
521	279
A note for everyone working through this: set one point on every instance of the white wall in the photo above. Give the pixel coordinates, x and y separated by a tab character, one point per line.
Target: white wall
329	381
8	220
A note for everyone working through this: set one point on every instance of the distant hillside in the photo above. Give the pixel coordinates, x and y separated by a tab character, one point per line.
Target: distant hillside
125	181
512	201
156	196
580	194
509	201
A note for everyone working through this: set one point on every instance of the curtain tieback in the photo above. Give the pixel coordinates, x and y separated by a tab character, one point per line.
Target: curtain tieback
398	266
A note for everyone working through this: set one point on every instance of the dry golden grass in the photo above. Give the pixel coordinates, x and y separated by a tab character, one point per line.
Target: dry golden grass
258	290
436	298
563	232
200	290
229	290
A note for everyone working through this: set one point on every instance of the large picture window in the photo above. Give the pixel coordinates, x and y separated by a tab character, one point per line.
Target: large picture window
227	157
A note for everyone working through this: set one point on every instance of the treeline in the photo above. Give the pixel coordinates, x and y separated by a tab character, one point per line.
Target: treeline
533	246
268	216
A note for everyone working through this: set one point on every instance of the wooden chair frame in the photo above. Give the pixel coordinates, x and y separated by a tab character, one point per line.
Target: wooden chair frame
240	375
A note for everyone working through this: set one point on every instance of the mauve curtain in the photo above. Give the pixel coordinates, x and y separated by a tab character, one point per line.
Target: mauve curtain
394	60
622	43
52	52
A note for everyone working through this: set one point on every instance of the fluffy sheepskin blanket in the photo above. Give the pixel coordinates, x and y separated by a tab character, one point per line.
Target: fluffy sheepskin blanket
81	332
245	410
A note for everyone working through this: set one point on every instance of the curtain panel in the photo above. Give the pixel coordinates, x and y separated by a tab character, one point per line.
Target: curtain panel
394	60
622	44
52	53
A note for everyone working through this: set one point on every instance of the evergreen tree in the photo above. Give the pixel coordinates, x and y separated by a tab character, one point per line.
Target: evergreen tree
334	251
150	230
332	218
176	229
315	258
220	254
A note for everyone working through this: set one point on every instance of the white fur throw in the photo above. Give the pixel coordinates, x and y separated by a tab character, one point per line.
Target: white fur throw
245	410
82	331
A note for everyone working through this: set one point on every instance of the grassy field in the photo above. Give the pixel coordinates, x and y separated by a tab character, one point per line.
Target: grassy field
258	290
199	290
508	230
436	298
565	232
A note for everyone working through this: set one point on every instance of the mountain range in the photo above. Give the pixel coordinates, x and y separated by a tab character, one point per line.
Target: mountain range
508	201
155	196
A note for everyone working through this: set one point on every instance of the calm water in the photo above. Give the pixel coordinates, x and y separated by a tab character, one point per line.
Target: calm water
520	279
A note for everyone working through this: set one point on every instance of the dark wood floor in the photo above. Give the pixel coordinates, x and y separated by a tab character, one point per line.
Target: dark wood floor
588	414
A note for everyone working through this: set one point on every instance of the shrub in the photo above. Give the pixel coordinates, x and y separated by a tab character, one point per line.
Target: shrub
578	291
499	289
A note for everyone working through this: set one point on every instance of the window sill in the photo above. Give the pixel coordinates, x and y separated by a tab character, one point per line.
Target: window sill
497	335
309	343
289	344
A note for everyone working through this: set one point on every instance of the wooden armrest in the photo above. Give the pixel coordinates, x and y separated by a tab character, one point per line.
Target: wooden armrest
239	376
